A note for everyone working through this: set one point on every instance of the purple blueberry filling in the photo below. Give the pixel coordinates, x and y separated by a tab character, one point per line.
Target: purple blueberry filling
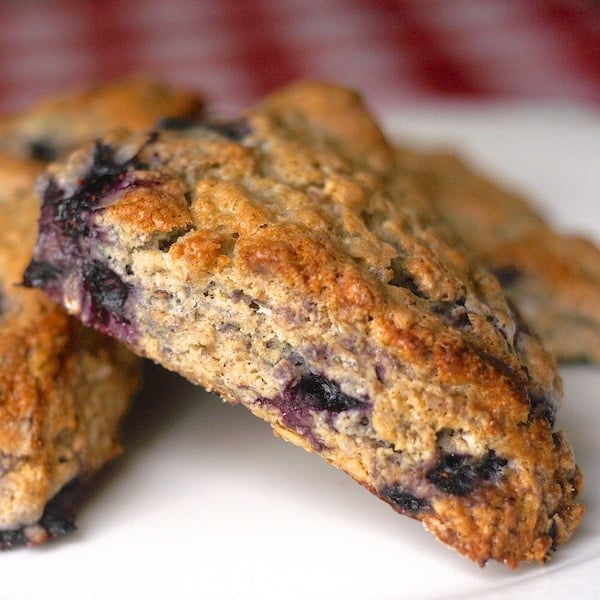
105	175
404	501
319	393
107	293
460	474
311	393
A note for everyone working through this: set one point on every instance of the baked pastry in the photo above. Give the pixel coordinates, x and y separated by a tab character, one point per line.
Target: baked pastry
62	122
63	388
279	261
553	279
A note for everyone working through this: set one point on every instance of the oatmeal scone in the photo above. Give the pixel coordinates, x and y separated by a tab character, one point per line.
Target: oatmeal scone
63	388
57	124
274	260
553	278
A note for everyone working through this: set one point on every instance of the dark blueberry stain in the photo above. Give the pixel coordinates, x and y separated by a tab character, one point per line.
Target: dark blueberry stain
311	393
42	150
234	130
39	274
403	500
401	278
460	474
508	275
541	407
2	303
107	292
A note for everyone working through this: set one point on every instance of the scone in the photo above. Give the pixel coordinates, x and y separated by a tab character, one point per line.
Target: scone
64	389
62	122
275	260
554	279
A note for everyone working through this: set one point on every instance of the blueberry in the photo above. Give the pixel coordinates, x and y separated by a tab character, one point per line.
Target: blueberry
42	150
56	521
39	273
105	175
12	538
404	501
460	474
319	393
508	275
541	407
302	397
107	292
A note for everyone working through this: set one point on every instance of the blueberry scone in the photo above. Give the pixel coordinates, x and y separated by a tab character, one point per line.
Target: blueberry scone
63	388
62	122
274	260
554	279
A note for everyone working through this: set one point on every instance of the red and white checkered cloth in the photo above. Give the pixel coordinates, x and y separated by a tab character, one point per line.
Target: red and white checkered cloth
394	51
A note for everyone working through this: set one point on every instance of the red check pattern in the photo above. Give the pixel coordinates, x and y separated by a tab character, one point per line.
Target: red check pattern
395	51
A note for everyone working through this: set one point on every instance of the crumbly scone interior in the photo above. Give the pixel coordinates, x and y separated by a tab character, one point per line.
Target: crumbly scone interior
281	262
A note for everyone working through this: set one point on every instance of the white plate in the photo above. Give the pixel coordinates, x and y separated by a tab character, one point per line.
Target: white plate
206	503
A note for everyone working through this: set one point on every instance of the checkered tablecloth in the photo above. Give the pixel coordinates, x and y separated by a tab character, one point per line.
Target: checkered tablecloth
395	51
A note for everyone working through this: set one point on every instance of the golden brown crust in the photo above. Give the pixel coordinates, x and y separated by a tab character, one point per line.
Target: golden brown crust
554	279
56	125
328	303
